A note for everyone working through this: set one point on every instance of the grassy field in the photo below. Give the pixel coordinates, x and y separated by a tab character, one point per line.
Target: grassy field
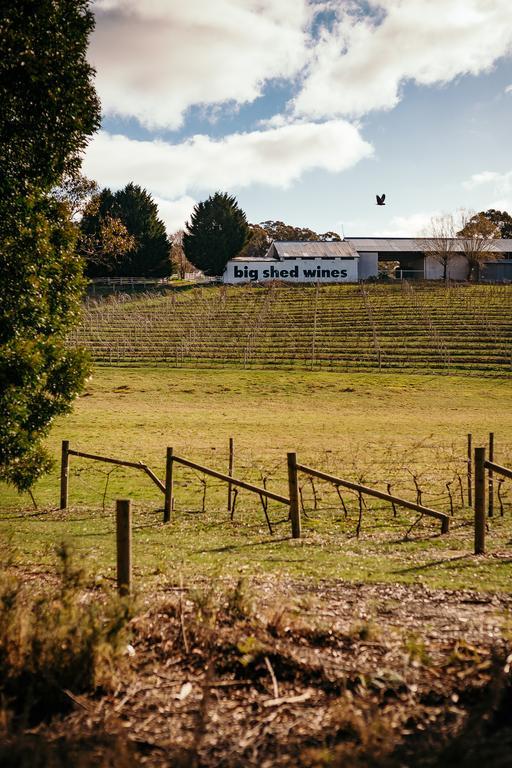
375	428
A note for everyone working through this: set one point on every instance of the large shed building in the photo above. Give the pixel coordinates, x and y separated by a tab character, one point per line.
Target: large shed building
357	258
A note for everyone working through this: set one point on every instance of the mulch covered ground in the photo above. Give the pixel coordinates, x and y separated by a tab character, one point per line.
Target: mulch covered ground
281	672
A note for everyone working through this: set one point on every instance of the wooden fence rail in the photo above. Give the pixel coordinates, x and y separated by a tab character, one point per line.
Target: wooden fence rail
64	472
229	479
505	471
445	520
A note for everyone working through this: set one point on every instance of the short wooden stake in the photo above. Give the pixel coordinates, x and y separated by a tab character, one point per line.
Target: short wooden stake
231	468
293	487
64	475
479	501
124	546
169	486
470	470
490	475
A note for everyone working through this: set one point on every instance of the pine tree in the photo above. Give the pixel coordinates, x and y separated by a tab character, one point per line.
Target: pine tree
217	232
137	211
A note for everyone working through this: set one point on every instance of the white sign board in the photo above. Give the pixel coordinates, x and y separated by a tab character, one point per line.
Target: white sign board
317	270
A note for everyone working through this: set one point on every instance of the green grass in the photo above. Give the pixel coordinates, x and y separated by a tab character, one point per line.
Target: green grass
372	427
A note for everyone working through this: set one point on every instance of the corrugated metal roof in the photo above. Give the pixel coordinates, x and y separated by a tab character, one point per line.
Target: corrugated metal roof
417	244
311	249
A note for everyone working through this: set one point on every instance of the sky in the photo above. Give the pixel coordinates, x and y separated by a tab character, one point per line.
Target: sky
304	110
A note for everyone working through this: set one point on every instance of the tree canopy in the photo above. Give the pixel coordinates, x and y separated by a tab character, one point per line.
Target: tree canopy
501	219
216	233
263	234
48	108
477	232
146	253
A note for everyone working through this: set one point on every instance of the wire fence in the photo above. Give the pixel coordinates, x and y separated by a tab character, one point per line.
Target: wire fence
426	473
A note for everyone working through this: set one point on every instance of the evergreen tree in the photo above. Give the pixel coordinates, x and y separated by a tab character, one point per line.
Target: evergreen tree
48	108
148	254
217	232
501	219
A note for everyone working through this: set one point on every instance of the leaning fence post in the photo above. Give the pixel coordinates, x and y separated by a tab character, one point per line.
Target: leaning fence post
293	487
169	486
479	501
64	475
490	475
230	472
470	470
124	546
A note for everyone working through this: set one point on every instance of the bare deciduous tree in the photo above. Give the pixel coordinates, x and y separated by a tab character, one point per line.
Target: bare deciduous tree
440	241
178	259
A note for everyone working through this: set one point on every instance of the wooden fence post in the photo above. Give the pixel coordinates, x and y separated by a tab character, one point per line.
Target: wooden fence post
64	475
470	470
124	546
169	486
490	475
479	501
231	468
293	488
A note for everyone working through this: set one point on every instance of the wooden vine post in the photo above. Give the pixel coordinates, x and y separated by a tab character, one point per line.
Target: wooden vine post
124	546
479	501
293	485
470	470
231	468
64	475
490	475
169	486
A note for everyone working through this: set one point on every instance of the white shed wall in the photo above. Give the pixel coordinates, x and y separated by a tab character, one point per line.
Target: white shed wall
319	270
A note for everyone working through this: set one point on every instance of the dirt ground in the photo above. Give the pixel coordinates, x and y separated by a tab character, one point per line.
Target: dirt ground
296	673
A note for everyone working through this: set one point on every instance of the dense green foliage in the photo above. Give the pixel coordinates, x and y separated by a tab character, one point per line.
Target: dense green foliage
216	233
134	208
501	219
48	107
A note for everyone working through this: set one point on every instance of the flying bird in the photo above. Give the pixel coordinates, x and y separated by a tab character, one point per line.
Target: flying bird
380	199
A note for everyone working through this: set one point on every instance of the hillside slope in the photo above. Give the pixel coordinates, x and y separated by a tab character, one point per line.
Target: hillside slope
402	327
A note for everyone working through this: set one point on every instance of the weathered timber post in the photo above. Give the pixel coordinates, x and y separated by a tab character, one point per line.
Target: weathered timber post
479	501
490	475
470	470
169	486
64	475
231	468
293	487
124	546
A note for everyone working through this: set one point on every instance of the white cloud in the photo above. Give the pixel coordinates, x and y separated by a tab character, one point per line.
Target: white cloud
275	157
414	225
361	63
508	89
501	182
477	179
503	204
156	58
174	213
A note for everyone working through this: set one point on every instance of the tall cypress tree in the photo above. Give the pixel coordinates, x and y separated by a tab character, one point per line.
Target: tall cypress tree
138	212
217	231
48	108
